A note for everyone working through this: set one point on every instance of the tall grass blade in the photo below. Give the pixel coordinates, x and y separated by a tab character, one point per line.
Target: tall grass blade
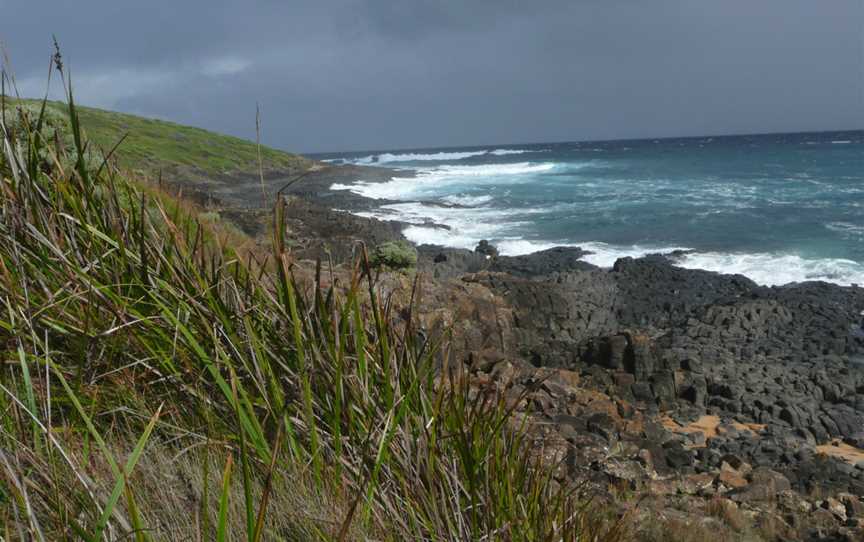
222	526
122	480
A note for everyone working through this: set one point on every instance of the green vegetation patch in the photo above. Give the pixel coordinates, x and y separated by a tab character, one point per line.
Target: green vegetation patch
153	145
395	255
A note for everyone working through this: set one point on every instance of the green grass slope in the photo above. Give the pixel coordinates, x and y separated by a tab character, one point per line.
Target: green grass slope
179	152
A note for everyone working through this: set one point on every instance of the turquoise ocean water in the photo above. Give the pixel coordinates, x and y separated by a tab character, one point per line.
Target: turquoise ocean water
777	208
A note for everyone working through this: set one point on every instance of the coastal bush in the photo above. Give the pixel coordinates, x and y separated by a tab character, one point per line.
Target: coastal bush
395	255
156	384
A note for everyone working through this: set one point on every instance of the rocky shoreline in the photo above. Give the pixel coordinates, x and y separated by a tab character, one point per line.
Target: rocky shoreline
746	391
707	395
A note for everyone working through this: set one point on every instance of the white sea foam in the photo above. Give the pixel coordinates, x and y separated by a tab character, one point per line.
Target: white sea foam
506	152
467	200
490	170
605	255
469	226
841	142
763	268
466	230
422	235
463	218
443	156
386	158
776	269
436	178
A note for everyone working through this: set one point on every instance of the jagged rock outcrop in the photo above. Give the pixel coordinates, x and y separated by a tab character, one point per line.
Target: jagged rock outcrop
691	344
442	262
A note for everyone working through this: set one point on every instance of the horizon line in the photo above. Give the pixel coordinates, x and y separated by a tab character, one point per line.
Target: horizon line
585	141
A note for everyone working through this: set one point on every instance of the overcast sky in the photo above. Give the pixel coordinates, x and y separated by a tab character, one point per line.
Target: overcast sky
378	74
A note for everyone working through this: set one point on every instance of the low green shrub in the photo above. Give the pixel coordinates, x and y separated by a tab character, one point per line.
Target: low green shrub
395	255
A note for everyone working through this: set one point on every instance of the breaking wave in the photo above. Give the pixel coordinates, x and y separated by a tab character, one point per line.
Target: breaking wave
763	268
401	188
777	269
467	200
507	152
387	158
442	156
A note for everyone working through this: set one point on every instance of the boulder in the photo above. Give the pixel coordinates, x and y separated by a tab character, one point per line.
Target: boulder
731	479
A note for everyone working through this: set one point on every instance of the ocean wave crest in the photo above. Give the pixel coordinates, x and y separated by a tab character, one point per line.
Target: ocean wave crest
776	269
507	152
467	226
766	269
489	170
429	182
387	158
763	268
442	156
467	200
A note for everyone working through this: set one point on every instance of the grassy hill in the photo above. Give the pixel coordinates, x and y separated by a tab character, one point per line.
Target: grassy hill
181	152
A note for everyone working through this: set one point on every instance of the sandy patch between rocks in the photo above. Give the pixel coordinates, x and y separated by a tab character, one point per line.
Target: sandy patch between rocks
709	426
841	450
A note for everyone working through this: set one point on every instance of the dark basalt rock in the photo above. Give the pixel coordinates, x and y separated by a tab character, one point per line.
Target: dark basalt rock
654	293
451	263
673	339
543	263
551	317
677	456
602	424
447	263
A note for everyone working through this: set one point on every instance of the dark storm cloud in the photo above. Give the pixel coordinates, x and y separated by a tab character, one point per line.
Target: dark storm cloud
365	74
